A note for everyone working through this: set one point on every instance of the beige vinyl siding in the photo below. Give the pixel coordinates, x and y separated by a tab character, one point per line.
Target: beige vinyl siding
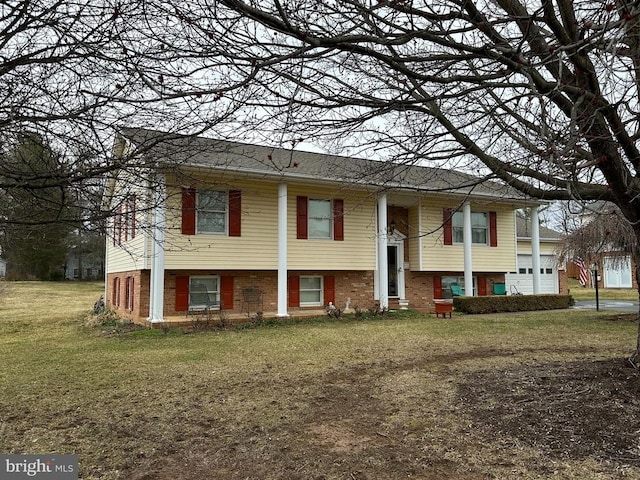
415	232
450	258
129	254
546	248
255	249
355	252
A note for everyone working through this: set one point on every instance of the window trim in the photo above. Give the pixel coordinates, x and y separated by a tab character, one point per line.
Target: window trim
320	291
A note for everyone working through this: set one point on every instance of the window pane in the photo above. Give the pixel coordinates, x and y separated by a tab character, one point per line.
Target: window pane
458	235
210	200
211	222
457	220
202	291
479	220
319	219
478	235
310	283
310	297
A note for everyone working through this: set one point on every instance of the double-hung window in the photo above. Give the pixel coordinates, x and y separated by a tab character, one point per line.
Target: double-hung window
204	292
479	228
211	211
311	293
320	218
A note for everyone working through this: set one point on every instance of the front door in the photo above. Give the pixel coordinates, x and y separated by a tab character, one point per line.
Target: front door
395	266
392	257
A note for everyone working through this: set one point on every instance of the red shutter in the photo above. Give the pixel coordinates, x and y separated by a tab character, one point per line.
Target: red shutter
437	286
182	293
302	205
447	225
226	292
235	216
338	219
493	229
482	285
119	225
294	291
329	289
189	211
132	293
133	216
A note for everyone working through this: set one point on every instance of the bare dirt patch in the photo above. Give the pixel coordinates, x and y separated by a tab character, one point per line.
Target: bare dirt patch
568	410
420	419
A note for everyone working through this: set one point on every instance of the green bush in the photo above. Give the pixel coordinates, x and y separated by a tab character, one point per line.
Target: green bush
511	303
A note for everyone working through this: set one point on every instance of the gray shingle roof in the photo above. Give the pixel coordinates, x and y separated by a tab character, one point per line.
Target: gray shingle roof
523	230
195	151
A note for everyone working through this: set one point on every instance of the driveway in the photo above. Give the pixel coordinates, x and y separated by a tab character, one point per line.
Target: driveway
618	305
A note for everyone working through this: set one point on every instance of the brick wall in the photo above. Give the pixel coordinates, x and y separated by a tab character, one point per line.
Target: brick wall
140	293
355	285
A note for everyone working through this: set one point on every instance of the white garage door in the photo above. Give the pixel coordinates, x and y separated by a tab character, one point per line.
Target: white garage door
522	281
617	273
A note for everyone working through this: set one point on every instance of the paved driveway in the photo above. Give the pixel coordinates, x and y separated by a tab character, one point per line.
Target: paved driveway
618	305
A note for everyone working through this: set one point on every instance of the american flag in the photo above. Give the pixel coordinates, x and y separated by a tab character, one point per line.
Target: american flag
584	273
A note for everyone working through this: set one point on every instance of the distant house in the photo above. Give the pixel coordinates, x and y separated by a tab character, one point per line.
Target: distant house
3	268
615	269
553	276
294	232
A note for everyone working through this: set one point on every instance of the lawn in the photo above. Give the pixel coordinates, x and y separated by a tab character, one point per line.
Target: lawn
522	396
580	293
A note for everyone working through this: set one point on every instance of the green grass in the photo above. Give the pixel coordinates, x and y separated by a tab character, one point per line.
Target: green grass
325	399
580	293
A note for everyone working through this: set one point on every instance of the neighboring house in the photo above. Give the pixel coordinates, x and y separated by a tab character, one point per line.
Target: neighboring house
553	277
3	268
301	229
615	270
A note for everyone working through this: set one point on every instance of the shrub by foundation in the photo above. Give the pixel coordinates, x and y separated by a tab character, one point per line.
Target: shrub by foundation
512	303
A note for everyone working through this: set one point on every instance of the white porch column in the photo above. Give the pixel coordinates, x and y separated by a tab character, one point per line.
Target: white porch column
156	294
535	249
282	251
467	239
383	262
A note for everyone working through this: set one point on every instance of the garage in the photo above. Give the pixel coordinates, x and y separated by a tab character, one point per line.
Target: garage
617	272
522	280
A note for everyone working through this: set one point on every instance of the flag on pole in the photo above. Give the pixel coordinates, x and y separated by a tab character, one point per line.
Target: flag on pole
584	274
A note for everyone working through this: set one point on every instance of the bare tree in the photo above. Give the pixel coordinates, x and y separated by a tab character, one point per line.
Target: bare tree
540	94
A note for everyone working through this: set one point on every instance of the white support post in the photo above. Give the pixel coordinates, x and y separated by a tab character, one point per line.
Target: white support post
156	294
535	249
467	239
383	262
282	251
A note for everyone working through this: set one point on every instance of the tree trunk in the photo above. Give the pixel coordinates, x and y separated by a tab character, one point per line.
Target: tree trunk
634	359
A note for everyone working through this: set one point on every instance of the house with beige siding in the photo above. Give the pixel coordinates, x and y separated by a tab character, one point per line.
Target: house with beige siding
244	228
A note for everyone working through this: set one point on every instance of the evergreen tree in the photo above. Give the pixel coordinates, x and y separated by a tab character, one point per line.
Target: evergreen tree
33	240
